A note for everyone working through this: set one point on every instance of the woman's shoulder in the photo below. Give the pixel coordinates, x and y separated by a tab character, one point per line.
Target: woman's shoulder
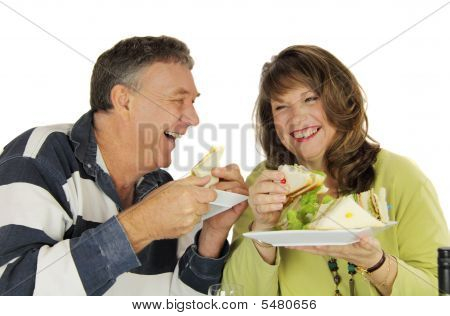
392	166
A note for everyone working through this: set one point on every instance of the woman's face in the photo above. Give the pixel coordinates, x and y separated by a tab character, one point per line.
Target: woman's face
302	126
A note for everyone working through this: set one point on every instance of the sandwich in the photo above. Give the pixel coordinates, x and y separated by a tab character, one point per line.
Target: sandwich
346	213
207	163
305	194
309	207
299	180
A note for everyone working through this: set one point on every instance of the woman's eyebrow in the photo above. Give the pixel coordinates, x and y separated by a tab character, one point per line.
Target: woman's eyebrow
279	99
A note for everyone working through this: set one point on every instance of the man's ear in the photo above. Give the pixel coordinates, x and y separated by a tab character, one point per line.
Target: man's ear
120	97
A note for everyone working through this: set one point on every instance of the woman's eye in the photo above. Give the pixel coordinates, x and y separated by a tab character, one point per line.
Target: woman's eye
279	107
311	99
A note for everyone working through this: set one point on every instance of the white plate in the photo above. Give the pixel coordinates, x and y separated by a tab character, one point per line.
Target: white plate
315	237
225	200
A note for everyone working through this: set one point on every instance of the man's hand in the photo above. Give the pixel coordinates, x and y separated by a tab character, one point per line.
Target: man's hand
215	229
168	212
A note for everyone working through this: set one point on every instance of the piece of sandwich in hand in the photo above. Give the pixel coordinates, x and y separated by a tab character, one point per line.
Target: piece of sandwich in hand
299	180
308	207
305	190
210	161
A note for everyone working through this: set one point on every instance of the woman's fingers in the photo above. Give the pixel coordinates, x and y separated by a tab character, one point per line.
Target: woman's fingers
270	175
261	199
268	187
267	196
269	208
365	252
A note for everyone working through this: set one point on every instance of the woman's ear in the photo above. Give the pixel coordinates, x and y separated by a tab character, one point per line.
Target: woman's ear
120	98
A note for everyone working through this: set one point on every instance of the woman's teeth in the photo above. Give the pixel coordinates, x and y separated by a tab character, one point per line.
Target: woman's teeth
307	133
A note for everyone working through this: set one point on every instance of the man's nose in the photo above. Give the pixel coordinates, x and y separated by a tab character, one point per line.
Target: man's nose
190	116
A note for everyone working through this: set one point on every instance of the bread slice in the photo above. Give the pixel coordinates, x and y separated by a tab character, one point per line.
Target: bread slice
297	177
344	214
300	180
383	206
373	203
207	163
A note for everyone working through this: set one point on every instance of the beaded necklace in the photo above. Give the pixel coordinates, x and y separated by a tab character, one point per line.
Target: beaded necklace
351	270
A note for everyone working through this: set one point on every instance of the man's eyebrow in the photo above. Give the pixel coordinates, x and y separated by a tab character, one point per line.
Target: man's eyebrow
182	91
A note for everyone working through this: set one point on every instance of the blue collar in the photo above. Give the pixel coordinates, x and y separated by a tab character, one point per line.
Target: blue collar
84	143
85	146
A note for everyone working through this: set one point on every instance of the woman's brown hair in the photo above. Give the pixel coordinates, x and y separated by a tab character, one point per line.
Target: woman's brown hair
352	153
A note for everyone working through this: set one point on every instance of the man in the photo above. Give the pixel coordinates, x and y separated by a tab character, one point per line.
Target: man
86	209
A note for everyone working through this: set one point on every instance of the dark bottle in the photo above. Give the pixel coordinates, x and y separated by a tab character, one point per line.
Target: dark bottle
444	270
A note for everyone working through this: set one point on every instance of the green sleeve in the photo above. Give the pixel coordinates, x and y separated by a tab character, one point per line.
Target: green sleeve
245	266
421	230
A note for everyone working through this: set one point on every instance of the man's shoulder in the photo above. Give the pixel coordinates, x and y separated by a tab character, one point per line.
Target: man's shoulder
32	142
45	145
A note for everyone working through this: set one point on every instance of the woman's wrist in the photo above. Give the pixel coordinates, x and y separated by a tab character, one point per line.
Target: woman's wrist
373	265
259	227
384	277
265	250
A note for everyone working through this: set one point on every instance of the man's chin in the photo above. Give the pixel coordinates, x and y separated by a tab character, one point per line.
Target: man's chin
165	162
150	166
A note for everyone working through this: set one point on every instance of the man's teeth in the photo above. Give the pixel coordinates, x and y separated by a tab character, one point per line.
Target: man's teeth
307	133
173	134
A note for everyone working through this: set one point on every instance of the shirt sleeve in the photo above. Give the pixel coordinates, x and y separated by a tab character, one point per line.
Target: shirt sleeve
198	273
35	258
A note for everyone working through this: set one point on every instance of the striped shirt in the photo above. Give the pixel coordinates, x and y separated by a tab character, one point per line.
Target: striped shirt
59	234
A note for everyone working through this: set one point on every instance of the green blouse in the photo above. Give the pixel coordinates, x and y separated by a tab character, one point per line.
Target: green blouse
421	229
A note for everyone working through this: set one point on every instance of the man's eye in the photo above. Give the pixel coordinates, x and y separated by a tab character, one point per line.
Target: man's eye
311	99
178	101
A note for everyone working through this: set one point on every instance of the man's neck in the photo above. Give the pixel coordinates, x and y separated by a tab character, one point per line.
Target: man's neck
118	155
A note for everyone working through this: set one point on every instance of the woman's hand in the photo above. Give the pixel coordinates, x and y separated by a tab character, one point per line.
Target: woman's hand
365	253
266	198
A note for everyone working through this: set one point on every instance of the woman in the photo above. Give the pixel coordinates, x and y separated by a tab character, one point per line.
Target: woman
310	111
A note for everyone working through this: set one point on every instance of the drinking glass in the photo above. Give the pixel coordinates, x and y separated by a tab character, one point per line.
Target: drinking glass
226	289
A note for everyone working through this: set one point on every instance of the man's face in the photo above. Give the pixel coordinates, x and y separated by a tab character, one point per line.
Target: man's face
162	109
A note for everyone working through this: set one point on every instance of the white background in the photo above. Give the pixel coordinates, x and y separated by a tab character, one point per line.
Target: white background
406	80
324	305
